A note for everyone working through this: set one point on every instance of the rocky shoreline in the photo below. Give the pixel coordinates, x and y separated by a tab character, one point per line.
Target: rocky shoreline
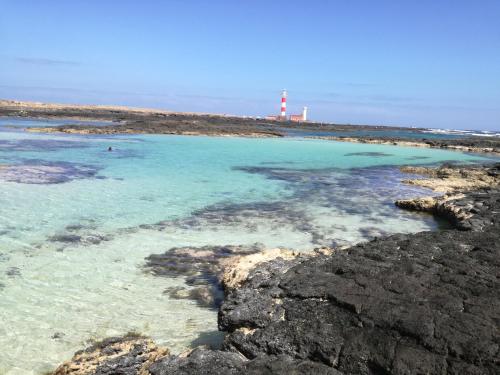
424	303
469	194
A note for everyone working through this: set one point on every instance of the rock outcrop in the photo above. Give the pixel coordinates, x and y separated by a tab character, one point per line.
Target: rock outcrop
203	361
211	270
451	178
237	269
128	355
202	267
470	194
472	211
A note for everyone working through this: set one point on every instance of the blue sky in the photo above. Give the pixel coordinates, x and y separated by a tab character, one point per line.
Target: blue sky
432	63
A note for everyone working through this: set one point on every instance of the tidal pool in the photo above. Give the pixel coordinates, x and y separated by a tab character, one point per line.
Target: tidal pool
77	221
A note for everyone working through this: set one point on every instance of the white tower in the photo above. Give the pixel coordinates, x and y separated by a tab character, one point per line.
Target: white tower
304	114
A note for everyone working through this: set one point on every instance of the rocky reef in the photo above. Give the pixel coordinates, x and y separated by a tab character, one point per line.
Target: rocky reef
451	178
424	303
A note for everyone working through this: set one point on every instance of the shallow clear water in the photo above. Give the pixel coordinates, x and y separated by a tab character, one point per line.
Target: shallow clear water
77	221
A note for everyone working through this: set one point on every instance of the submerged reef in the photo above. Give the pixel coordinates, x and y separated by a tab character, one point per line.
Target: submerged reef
35	145
367	192
34	171
424	303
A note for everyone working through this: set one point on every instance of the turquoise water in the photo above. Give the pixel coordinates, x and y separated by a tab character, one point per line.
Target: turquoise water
77	221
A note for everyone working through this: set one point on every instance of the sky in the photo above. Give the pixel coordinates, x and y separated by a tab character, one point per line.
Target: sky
425	63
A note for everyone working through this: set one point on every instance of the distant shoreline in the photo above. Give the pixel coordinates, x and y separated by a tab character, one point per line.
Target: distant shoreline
463	145
127	120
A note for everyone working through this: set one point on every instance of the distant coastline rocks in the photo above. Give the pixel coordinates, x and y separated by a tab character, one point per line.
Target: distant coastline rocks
466	144
126	120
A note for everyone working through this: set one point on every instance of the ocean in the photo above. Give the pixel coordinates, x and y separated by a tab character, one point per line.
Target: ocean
77	221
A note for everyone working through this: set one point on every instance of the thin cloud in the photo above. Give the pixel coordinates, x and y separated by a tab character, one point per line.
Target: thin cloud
390	98
399	104
359	84
210	99
45	62
366	99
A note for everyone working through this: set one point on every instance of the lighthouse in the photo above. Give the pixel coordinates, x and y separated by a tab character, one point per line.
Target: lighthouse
283	117
283	105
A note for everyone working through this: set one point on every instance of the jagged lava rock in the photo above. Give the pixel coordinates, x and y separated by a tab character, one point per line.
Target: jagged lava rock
203	361
407	304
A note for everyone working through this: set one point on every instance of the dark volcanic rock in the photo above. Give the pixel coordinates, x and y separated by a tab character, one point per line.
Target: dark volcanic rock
477	210
407	304
202	361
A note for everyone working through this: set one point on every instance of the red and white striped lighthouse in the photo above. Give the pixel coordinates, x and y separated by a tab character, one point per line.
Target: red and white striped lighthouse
283	104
